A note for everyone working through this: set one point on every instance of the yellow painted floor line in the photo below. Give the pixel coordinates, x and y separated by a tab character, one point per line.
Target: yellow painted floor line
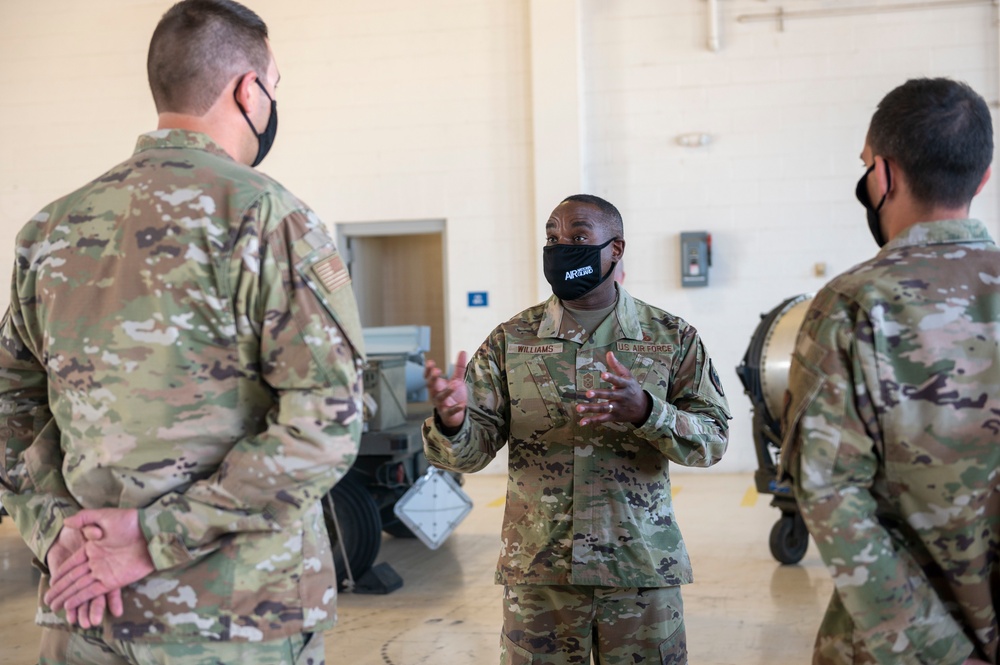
750	498
496	503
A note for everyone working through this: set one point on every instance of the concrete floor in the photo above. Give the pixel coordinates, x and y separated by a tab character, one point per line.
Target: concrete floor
744	608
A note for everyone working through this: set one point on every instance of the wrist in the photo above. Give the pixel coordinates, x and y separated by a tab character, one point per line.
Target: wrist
446	429
648	410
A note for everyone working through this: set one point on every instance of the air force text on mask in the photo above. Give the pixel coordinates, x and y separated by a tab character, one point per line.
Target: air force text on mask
580	272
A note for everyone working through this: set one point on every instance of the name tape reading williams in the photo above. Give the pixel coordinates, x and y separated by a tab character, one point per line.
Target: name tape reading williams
541	348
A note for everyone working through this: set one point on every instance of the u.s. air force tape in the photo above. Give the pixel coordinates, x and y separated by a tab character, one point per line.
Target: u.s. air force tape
645	347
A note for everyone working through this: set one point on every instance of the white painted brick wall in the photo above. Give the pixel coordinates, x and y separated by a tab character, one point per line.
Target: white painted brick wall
389	110
788	112
392	109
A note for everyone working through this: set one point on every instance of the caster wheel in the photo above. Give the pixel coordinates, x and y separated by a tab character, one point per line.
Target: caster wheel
789	539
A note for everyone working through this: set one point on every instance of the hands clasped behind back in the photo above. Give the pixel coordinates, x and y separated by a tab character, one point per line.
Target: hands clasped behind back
101	552
69	542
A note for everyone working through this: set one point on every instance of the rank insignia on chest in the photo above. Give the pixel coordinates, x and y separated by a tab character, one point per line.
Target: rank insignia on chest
588	382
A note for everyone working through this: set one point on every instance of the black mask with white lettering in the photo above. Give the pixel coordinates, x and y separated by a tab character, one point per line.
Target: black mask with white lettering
573	271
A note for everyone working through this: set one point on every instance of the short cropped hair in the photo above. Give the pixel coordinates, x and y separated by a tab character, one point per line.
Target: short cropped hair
611	217
941	134
196	50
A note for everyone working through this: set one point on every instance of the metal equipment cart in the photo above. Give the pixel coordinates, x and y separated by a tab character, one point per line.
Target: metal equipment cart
764	374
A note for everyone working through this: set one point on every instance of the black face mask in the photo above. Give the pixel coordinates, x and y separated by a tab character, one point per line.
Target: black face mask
872	211
574	270
265	139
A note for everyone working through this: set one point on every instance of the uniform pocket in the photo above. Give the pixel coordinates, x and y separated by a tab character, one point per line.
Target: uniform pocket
511	654
807	383
535	402
673	650
43	459
653	376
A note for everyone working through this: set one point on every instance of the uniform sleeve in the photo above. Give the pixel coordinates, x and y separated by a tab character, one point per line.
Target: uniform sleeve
831	453
691	426
486	426
310	357
32	487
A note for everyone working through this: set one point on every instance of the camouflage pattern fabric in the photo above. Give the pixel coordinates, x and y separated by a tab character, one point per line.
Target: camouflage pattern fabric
65	648
891	442
563	625
182	339
588	505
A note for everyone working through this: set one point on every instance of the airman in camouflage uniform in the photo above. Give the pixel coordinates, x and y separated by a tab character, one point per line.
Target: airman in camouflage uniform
182	354
893	421
595	393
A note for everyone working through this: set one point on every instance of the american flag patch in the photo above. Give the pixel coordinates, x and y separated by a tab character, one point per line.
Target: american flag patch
331	272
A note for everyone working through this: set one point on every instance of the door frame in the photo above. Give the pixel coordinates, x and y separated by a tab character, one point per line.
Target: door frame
346	230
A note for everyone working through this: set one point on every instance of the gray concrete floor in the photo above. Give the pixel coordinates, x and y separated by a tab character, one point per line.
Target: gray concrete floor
744	608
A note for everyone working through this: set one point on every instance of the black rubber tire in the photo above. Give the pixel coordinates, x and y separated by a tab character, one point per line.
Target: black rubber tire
391	524
360	524
789	539
397	529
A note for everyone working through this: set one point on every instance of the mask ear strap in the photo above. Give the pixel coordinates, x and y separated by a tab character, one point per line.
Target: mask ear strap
613	263
609	273
888	185
243	110
240	106
266	93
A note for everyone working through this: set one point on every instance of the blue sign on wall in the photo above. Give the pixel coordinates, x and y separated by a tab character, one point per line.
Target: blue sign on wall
479	298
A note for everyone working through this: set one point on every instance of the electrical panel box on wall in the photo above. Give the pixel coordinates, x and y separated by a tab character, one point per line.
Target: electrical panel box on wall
696	258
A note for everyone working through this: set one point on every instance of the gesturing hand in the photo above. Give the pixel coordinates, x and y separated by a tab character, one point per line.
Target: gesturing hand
67	543
626	402
448	395
104	564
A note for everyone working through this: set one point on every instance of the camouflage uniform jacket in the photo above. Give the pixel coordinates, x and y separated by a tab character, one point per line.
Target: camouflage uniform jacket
182	339
891	441
588	505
